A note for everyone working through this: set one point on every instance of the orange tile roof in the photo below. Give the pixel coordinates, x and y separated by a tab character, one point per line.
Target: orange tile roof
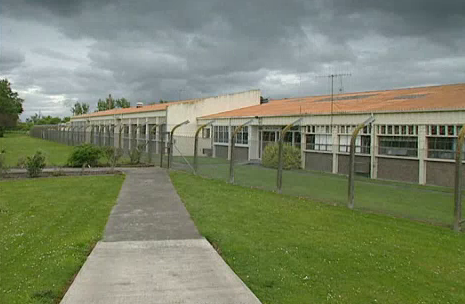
412	99
147	108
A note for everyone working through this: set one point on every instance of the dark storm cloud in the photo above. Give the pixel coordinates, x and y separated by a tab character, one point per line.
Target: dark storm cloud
163	49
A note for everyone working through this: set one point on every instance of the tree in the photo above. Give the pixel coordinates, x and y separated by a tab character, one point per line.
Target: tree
80	108
10	106
110	103
122	103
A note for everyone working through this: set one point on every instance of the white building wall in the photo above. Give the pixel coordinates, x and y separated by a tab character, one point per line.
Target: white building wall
179	112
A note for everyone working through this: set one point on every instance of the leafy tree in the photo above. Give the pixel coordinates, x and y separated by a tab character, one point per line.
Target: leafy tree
10	106
37	119
80	108
122	103
110	103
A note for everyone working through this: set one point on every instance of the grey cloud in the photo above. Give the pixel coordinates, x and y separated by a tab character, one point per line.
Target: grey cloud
55	54
10	59
153	49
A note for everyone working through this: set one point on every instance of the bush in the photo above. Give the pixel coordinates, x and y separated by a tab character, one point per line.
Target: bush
21	162
85	154
112	155
291	156
136	154
35	164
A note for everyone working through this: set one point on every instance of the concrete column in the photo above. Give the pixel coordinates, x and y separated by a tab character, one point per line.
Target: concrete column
422	154
253	142
116	134
229	139
130	135
137	131
147	135
373	146
213	141
335	148
88	132
303	144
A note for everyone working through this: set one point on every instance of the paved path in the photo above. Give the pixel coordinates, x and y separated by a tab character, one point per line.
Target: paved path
152	253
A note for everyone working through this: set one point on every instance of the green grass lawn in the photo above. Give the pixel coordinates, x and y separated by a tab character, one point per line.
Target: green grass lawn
18	146
425	203
293	250
48	227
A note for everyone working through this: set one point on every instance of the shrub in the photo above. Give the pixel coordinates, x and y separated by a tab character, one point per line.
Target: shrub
112	155
291	156
21	162
85	154
136	154
35	164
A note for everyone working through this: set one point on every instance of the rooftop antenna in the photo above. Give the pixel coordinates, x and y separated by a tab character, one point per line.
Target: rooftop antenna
331	78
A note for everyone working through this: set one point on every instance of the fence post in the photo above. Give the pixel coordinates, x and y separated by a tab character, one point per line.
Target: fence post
279	177
233	145
170	150
196	143
458	181
351	188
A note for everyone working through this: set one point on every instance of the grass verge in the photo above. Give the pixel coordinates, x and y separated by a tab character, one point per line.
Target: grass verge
19	145
293	250
425	203
48	227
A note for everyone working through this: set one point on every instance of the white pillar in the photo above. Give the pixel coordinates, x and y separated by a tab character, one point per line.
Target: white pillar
373	146
303	144
422	154
334	148
253	142
147	135
130	135
137	132
229	139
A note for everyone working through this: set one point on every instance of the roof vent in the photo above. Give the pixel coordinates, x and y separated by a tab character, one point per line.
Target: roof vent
140	104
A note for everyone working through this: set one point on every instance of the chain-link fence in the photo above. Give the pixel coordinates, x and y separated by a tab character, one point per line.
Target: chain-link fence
386	178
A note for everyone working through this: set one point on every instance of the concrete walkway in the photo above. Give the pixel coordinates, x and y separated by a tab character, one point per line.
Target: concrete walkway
152	253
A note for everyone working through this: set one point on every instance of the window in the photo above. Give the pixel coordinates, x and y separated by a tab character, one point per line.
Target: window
397	130
321	140
206	133
362	144
269	136
442	141
242	137
398	145
221	134
442	147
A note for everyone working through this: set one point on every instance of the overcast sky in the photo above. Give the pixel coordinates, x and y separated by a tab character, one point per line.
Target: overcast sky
57	52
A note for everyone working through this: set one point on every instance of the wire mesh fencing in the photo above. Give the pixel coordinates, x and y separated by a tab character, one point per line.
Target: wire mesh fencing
308	169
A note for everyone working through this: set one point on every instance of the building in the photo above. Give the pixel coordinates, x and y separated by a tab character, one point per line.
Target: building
412	139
